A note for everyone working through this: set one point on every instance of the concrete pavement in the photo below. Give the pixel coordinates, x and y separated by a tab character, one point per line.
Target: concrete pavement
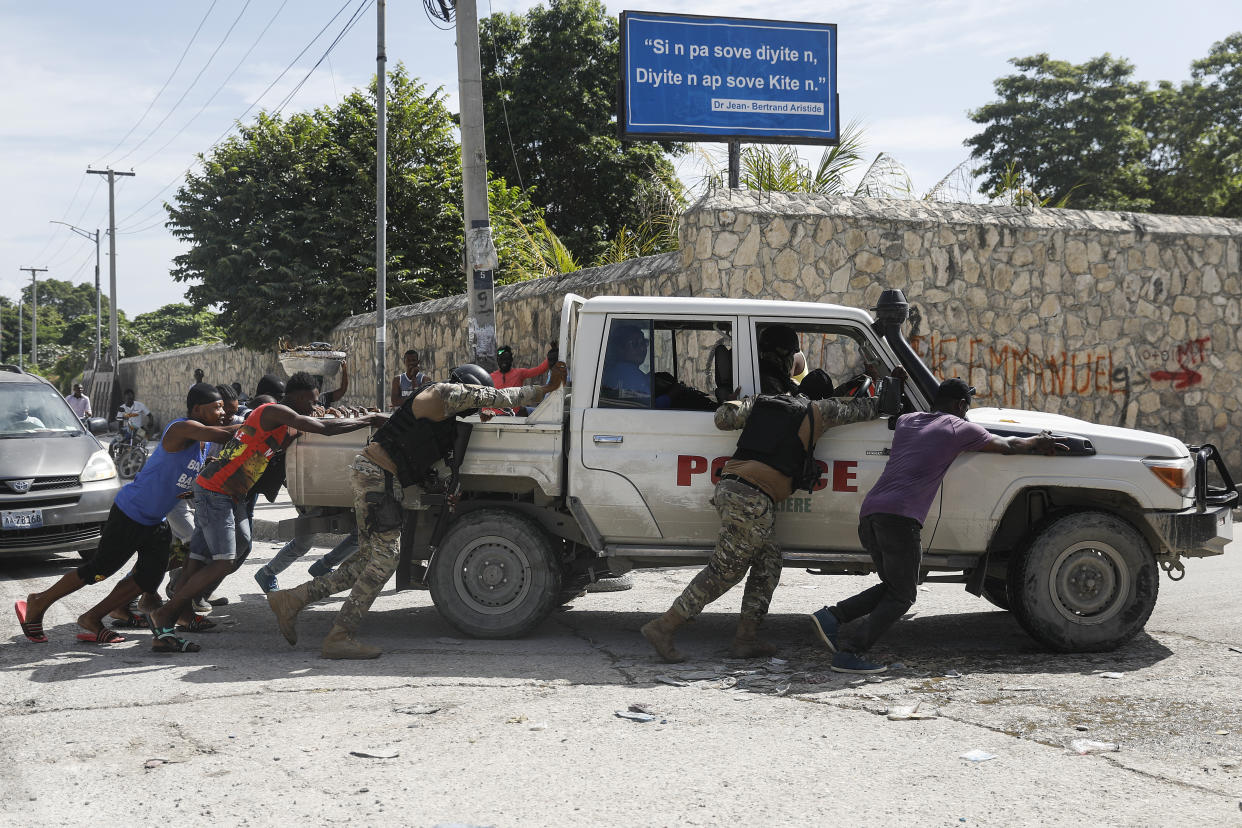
511	733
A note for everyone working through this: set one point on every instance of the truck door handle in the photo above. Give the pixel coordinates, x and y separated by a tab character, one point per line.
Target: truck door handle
608	438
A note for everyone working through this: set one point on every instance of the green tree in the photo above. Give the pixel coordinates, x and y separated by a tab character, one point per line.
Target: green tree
176	326
1070	129
550	103
281	219
1195	131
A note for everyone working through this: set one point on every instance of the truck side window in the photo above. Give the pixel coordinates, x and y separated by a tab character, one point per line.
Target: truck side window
841	352
666	364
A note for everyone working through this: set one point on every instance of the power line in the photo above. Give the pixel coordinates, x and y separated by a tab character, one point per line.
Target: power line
219	88
167	81
72	199
190	88
237	120
517	168
349	24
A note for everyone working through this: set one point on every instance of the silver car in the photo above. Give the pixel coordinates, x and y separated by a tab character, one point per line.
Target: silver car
57	482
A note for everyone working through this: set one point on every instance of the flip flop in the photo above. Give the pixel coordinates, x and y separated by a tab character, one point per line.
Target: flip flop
32	630
104	636
135	621
166	641
199	624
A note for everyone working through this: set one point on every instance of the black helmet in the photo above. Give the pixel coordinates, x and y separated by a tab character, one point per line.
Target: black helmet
779	337
471	374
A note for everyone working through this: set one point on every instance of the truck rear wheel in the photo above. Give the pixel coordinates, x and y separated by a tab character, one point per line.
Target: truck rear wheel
495	575
1086	583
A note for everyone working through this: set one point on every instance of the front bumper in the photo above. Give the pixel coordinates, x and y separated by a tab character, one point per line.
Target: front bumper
1195	532
73	518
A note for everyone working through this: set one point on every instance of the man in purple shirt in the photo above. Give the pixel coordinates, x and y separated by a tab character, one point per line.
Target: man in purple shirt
925	444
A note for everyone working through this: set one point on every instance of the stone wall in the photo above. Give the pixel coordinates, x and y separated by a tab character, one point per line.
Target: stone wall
162	380
1119	318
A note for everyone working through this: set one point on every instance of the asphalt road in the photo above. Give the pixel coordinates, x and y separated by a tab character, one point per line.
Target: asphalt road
523	733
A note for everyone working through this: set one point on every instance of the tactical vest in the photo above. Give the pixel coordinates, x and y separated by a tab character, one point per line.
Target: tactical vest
415	443
770	436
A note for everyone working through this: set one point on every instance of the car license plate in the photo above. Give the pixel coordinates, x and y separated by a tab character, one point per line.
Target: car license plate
24	519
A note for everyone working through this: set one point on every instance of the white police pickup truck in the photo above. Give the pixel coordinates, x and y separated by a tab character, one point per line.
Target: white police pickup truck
616	473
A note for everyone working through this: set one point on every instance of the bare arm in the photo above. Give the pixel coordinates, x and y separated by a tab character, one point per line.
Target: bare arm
275	416
180	435
1042	443
394	392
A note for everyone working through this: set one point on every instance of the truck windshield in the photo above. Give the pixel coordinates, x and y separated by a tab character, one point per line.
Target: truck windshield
34	409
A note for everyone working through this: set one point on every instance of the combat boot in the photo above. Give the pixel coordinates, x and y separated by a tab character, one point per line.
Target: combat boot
747	644
659	634
341	644
287	603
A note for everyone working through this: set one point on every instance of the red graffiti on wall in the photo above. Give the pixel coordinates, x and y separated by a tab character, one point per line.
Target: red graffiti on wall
1190	352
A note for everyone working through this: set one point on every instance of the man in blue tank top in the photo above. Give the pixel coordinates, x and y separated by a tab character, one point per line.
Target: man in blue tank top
136	524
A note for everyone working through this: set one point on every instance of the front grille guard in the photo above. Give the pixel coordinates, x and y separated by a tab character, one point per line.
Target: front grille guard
1205	493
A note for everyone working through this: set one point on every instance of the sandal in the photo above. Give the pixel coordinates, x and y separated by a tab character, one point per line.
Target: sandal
104	636
33	630
133	621
199	624
166	641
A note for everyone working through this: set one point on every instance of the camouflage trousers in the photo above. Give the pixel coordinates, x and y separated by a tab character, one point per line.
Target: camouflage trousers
747	520
378	512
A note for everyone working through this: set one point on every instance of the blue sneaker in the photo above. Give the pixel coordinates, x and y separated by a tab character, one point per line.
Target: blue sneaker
825	624
844	662
319	569
266	580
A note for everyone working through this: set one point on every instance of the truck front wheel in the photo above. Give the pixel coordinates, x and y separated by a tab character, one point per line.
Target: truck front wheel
1086	583
495	575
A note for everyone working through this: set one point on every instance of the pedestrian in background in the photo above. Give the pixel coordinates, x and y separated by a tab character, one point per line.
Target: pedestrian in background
405	384
79	402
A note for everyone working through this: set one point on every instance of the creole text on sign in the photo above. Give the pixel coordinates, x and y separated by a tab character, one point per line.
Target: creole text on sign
713	78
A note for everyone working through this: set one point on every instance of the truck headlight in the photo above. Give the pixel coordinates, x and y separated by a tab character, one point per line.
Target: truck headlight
1176	473
99	467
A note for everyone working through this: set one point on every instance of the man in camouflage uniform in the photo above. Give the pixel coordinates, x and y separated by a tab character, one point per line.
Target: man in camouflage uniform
402	451
746	496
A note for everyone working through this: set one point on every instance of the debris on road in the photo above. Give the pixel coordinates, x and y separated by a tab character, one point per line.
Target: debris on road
977	755
417	710
1084	746
539	726
1081	727
1021	688
375	753
953	674
672	682
905	712
642	708
155	763
634	717
1111	675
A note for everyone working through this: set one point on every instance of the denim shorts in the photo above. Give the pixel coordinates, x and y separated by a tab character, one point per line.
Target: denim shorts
224	526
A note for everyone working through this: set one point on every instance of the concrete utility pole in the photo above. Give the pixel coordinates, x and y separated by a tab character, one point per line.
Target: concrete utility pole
113	327
381	209
481	258
34	317
98	304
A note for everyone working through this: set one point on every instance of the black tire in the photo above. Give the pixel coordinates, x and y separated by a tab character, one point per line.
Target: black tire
996	592
131	462
495	575
1086	583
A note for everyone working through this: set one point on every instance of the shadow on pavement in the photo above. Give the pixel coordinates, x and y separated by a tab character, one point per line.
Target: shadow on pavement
579	646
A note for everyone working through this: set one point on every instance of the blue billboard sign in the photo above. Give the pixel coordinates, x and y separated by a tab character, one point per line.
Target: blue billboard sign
687	77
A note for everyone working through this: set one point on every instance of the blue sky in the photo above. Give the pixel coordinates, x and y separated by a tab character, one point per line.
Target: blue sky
84	84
